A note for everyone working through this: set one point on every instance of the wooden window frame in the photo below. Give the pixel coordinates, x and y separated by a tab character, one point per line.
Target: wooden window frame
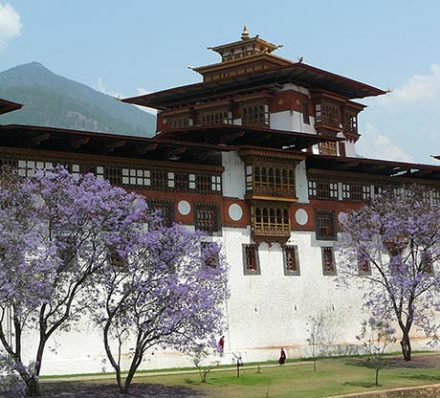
157	204
319	214
246	269
213	261
287	271
364	266
324	252
306	113
207	207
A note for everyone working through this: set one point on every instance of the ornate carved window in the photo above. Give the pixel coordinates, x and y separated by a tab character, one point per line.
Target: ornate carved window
112	174
327	113
203	182
323	189
291	262
255	114
328	261
178	122
270	179
214	117
251	263
270	221
350	123
325	225
159	179
181	181
354	191
164	209
328	148
207	218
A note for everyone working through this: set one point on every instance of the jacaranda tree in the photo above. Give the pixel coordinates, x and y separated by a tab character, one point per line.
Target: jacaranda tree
167	290
56	232
397	235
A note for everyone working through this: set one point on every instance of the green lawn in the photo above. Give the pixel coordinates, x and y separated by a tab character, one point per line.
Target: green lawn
297	380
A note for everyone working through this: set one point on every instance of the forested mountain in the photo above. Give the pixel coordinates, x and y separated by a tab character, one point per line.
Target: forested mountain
52	100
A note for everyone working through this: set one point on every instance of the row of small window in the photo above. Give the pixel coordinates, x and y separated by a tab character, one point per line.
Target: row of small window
357	191
159	179
143	178
206	216
251	262
251	114
336	190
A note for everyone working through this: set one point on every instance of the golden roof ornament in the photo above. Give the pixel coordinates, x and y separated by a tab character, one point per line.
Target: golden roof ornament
245	33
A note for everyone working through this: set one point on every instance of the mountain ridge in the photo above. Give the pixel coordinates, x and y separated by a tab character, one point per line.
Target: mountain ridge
52	100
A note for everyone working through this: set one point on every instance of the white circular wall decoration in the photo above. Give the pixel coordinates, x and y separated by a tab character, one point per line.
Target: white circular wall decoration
342	217
301	217
235	212
184	207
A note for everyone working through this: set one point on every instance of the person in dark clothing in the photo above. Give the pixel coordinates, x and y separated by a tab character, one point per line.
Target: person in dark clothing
221	344
282	359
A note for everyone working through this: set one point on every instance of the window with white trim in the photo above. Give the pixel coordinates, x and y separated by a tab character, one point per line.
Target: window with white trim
26	168
136	177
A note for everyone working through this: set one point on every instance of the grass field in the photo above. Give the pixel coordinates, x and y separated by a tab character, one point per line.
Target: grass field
297	380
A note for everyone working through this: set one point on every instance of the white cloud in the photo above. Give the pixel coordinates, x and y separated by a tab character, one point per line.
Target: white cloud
142	91
375	145
407	116
10	24
100	86
418	89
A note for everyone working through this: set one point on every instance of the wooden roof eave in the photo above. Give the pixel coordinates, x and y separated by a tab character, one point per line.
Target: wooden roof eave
240	136
298	73
74	141
8	106
373	167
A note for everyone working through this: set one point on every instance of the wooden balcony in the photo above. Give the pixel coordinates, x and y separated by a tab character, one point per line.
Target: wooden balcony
284	193
270	222
270	232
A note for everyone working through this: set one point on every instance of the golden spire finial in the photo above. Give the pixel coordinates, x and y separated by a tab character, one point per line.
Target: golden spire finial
245	33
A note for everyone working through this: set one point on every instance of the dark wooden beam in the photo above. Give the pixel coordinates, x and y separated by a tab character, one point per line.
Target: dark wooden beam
259	138
39	139
143	149
229	137
202	155
379	167
348	166
176	151
111	146
79	141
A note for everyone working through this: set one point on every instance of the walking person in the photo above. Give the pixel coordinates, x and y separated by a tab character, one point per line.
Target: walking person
282	359
221	345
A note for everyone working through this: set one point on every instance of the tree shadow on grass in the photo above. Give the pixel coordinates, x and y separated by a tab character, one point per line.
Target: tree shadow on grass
359	384
422	377
103	390
363	363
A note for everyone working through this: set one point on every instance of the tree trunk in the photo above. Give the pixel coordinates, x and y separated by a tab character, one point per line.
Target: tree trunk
33	387
406	347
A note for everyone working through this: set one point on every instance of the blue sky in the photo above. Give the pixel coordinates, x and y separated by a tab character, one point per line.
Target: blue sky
135	46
